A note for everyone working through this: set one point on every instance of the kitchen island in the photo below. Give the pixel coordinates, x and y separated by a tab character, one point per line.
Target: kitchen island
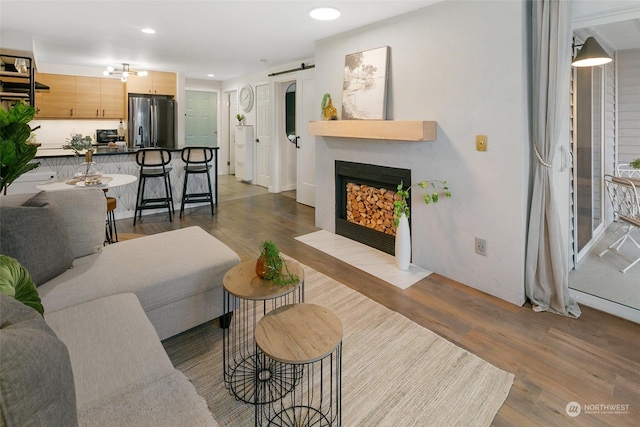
61	164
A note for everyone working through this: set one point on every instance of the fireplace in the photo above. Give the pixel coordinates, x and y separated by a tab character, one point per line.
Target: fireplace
374	187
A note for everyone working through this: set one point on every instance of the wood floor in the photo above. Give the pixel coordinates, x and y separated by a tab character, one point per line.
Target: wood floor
594	360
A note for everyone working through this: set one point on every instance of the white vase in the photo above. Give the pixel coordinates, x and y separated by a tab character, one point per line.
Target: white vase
403	243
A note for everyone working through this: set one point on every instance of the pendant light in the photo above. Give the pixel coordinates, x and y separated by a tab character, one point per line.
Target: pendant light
591	54
125	72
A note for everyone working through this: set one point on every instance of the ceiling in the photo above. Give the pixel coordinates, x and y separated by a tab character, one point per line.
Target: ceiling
225	38
221	37
615	36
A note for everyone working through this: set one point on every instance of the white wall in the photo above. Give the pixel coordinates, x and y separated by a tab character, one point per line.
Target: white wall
54	133
628	66
462	64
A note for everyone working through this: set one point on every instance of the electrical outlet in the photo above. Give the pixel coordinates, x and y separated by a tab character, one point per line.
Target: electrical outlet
481	246
481	142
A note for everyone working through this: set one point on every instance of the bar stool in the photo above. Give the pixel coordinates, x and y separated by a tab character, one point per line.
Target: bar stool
111	229
197	161
153	164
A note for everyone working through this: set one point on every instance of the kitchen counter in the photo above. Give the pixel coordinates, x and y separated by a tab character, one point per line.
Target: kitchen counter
60	164
100	151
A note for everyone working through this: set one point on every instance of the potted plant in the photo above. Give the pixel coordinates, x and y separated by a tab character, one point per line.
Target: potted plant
270	265
400	205
401	216
88	170
635	163
16	152
240	118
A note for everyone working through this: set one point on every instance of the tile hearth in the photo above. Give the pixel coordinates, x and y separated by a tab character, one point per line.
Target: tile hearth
366	258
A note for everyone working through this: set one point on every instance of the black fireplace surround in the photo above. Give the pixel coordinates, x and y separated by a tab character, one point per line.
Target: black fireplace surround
373	176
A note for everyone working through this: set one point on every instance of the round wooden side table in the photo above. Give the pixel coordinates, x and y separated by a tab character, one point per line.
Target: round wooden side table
308	339
250	298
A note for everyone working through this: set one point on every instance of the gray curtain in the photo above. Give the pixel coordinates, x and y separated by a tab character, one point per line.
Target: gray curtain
547	276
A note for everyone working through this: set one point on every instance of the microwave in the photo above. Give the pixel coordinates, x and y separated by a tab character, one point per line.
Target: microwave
105	136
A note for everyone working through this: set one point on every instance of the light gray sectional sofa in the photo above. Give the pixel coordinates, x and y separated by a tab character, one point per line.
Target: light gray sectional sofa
112	308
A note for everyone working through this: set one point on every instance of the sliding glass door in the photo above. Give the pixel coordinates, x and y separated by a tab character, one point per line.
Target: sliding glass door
588	155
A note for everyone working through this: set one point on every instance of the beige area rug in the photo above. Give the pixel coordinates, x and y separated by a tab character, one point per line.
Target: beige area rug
395	372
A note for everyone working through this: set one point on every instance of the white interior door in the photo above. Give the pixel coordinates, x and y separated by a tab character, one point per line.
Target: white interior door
232	108
263	135
306	161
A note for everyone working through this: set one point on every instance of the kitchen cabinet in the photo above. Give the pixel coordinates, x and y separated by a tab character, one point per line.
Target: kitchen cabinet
111	99
156	83
87	97
76	97
60	101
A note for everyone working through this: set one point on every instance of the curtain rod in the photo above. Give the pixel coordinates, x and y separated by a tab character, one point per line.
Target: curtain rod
302	67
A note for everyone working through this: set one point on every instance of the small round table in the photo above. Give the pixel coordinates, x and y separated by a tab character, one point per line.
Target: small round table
113	180
250	298
308	339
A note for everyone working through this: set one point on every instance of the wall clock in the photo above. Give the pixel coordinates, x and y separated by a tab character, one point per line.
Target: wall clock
246	98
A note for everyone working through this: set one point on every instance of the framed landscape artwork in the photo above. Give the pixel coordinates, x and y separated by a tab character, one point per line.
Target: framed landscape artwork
364	90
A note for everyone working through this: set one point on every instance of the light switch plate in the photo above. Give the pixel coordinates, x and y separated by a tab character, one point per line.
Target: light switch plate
481	142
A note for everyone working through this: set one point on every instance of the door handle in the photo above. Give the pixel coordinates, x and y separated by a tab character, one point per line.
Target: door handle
293	139
257	140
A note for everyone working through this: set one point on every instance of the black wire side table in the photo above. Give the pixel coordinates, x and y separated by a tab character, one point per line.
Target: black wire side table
251	378
306	338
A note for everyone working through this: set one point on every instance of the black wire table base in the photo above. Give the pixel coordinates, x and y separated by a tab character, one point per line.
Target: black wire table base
259	380
299	416
316	399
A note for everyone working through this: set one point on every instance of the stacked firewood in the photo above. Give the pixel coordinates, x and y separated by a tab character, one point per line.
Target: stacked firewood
371	207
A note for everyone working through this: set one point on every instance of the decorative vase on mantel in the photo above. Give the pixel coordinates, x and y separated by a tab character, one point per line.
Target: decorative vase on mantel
403	243
330	112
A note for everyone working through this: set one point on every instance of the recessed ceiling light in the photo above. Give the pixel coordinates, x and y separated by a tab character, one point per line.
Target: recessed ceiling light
211	75
325	13
148	31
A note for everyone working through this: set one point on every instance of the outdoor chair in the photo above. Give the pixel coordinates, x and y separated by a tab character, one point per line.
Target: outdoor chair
626	170
624	198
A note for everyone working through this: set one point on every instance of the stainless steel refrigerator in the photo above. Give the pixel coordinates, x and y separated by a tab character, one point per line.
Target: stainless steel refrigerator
152	121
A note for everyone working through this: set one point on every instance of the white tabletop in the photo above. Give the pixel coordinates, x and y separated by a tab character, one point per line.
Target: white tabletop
117	179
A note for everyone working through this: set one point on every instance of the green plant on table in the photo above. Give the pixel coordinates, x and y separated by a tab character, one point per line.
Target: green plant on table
16	153
635	163
240	118
274	265
79	143
436	189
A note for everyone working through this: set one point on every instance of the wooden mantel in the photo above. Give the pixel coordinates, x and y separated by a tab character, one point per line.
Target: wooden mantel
392	130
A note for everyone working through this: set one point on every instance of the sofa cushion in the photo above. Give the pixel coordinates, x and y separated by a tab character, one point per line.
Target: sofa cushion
16	282
112	346
159	269
84	211
36	236
170	400
36	378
